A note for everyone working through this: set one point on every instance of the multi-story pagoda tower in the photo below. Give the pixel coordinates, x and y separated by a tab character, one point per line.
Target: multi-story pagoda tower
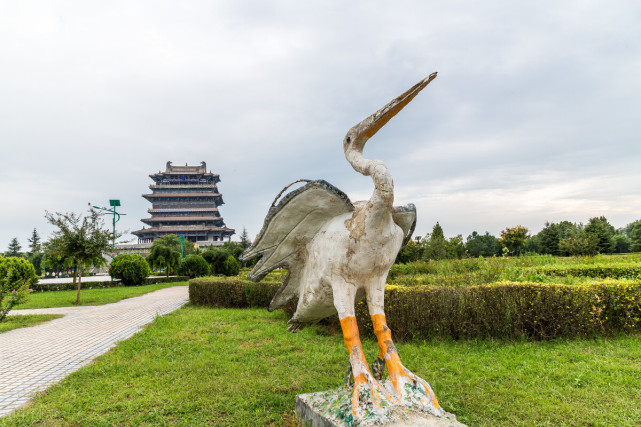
185	202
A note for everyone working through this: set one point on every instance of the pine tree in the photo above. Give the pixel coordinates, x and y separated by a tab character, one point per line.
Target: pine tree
34	242
244	239
14	248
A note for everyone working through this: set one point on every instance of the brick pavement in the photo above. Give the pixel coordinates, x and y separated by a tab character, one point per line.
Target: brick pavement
32	359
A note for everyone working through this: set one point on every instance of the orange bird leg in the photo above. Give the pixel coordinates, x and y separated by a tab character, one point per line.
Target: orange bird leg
396	371
360	370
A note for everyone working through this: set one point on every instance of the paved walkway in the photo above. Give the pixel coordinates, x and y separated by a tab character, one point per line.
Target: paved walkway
32	359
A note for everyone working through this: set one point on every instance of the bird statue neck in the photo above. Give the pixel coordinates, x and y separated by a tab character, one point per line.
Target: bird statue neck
383	182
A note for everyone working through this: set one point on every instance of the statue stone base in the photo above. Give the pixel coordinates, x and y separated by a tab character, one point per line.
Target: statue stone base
334	408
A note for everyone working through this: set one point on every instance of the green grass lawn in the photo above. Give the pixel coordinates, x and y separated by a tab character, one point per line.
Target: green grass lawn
230	367
98	296
22	321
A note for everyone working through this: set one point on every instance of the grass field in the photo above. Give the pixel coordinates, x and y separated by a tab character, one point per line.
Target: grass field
98	296
22	321
231	367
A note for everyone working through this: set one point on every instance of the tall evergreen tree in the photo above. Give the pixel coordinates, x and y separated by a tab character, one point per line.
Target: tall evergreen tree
549	239
244	239
436	246
635	236
14	248
34	242
600	228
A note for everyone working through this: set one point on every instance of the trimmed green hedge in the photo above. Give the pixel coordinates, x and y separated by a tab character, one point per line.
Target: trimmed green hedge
230	293
501	310
42	287
510	310
614	271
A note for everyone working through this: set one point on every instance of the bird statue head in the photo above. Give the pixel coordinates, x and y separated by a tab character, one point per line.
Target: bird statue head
358	135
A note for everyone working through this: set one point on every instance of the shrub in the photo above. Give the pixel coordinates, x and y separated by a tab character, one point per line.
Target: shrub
231	267
194	266
16	276
509	310
130	269
49	287
599	270
230	293
502	310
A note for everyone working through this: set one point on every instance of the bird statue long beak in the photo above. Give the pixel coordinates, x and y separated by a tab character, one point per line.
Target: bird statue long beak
372	124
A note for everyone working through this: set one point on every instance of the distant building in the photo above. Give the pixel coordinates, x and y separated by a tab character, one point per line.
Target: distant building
184	201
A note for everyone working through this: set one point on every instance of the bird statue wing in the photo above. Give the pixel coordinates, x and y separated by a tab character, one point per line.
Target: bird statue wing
289	227
405	217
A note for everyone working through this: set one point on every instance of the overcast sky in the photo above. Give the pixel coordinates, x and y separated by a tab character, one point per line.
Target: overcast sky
535	115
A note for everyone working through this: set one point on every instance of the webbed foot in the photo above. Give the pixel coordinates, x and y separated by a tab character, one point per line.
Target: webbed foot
368	395
412	390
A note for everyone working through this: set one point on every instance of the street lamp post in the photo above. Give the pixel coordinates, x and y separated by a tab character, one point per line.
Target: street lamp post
116	217
181	239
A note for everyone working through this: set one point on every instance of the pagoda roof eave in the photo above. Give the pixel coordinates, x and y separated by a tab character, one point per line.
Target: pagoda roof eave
183	228
212	209
172	195
181	186
160	174
181	218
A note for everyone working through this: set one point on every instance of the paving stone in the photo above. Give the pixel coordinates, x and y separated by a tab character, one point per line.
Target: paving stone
32	359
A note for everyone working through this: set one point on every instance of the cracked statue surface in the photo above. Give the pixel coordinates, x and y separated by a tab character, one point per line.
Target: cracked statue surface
338	252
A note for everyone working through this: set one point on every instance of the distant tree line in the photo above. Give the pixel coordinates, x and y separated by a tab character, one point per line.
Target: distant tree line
565	238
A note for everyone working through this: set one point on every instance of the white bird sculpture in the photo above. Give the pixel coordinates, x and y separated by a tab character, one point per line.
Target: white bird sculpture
338	252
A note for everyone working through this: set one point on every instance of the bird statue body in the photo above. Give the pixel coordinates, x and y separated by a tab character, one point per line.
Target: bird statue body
338	252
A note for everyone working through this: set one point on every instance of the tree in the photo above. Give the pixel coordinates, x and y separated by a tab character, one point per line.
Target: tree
34	242
411	252
635	237
35	256
455	247
36	260
600	228
164	257
436	245
219	258
484	245
244	239
621	243
514	238
81	241
549	238
627	230
174	242
215	257
531	245
578	243
14	248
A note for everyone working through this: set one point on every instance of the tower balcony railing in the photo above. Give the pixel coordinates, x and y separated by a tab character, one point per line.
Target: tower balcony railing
182	184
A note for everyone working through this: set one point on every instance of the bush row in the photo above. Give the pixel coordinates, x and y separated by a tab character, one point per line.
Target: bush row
42	287
230	293
501	310
615	271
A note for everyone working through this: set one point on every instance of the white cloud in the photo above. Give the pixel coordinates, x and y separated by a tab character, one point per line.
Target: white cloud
535	107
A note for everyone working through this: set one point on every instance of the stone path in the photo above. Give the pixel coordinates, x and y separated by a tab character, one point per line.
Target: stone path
32	359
